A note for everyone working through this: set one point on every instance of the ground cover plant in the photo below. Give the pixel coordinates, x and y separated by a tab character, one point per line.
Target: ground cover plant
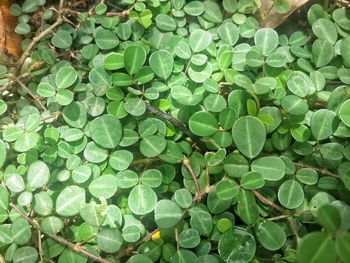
176	131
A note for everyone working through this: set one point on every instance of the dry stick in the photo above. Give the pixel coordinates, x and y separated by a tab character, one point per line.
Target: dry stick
187	164
267	201
175	122
322	171
31	94
59	239
275	206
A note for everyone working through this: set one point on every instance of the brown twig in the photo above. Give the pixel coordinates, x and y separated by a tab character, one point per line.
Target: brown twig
59	239
187	164
30	93
39	37
267	201
321	171
277	207
123	13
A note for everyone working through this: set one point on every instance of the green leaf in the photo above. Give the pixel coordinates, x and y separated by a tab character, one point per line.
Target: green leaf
194	8
203	124
344	112
165	22
252	180
69	200
21	232
114	61
212	12
249	135
270	235
237	245
15	183
106	131
328	216
342	246
316	247
120	160
200	40
162	63
134	58
152	146
247	208
229	33
109	240
227	189
271	168
75	115
95	154
135	106
3	154
106	39
201	221
325	29
25	254
345	50
290	194
167	214
65	77
294	105
142	200
322	52
189	238
62	39
266	40
103	186
151	178
323	124
52	225
38	174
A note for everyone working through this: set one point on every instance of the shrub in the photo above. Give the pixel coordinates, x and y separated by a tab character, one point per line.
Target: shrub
175	131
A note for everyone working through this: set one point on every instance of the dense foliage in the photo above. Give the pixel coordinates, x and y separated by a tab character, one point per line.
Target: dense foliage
175	131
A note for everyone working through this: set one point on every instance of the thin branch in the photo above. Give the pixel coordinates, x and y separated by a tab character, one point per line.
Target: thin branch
267	201
320	170
293	227
207	190
31	94
277	207
39	244
187	164
175	122
123	13
59	239
39	37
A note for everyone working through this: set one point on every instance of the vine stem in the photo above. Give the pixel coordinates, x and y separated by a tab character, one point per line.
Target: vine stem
277	207
322	171
31	94
186	162
59	239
